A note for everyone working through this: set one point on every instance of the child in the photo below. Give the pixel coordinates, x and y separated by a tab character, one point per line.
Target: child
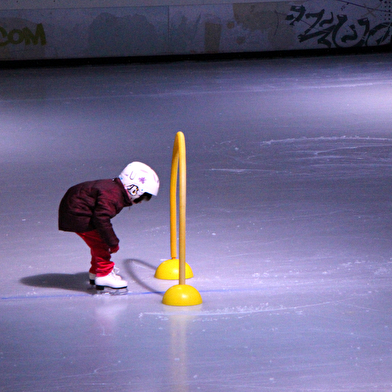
87	208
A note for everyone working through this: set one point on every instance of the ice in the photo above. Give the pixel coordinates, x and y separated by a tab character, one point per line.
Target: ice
288	226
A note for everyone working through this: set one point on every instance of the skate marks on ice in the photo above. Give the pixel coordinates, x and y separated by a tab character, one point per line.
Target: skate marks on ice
143	275
350	156
341	157
239	310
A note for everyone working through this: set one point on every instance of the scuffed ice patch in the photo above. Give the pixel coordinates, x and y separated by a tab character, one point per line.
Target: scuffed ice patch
318	158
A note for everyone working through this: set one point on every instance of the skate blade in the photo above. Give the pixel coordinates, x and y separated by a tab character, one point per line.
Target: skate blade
111	291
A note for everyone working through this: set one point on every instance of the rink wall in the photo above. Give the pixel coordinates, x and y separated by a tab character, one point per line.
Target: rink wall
69	29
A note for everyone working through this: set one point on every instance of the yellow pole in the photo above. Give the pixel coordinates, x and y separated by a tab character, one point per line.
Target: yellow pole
176	267
173	201
182	226
181	294
178	160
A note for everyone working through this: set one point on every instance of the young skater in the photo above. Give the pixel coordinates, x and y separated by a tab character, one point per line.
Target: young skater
87	208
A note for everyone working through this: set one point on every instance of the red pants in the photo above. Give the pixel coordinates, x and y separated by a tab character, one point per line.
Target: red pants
101	265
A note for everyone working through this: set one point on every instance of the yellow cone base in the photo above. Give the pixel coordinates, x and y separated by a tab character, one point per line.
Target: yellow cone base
170	270
182	295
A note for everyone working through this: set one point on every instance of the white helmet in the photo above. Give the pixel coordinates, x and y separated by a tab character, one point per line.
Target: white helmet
138	179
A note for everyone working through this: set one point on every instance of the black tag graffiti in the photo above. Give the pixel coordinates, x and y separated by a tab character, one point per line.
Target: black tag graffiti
337	31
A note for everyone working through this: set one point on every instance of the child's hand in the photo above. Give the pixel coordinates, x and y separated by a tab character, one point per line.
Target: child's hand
114	249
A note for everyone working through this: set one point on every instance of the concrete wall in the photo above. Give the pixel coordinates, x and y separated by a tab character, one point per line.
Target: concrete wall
63	29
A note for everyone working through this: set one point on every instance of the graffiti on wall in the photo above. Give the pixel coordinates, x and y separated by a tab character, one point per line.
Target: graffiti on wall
337	30
226	27
23	35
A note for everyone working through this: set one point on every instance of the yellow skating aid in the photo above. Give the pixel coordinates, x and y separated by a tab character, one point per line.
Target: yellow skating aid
182	295
176	267
170	270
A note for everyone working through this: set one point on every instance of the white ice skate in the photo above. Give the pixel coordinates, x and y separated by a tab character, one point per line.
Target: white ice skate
112	281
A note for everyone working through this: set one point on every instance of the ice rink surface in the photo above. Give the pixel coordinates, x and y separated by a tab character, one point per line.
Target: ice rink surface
288	226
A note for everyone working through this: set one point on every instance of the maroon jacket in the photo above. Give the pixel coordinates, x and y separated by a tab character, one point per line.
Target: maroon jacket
91	205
